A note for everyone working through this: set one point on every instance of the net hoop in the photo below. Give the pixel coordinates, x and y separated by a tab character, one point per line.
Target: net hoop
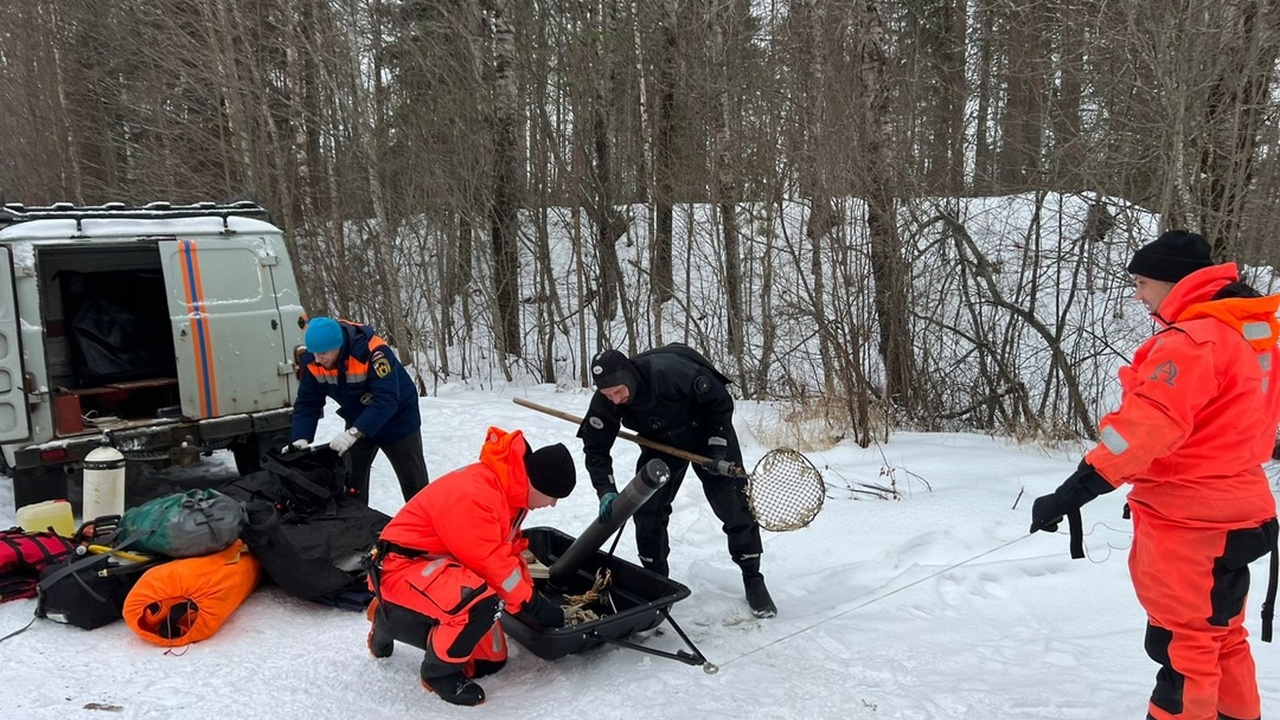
785	491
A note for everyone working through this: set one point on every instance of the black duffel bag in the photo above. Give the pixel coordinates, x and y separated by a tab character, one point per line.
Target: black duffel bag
309	534
88	591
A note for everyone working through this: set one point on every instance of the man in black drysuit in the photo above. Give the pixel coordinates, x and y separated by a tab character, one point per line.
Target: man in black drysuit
673	395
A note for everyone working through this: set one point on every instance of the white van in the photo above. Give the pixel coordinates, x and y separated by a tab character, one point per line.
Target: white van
169	331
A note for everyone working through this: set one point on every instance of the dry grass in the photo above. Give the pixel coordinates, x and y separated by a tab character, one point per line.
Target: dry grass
807	424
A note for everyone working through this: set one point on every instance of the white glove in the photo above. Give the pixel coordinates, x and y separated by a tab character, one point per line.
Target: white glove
343	442
299	444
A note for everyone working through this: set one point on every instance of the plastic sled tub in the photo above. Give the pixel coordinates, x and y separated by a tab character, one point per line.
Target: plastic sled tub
642	599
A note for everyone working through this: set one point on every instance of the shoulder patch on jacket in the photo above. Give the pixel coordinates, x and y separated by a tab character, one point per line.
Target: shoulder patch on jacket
595	422
381	364
1166	372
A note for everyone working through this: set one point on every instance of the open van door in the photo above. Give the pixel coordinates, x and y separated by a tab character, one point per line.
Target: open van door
14	422
226	326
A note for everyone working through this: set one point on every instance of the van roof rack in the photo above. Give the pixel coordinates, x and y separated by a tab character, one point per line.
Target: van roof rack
12	213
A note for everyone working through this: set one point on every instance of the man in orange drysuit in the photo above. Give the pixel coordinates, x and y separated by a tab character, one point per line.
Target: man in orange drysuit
451	560
1197	420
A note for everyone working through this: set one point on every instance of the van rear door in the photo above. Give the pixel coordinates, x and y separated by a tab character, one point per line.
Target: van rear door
226	326
14	423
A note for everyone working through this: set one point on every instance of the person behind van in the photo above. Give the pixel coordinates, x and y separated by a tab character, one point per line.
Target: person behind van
348	362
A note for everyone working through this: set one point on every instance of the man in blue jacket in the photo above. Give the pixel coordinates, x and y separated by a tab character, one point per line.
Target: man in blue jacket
351	364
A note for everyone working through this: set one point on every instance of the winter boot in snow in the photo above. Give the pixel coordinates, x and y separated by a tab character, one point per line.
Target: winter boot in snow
481	668
449	682
380	643
658	566
758	597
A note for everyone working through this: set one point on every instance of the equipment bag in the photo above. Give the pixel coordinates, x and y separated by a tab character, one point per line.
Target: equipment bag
309	534
88	591
187	600
312	477
315	556
23	555
190	524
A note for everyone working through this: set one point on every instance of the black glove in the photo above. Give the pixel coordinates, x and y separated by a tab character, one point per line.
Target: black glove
1084	485
541	612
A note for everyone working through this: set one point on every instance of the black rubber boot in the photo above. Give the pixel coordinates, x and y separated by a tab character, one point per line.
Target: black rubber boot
380	643
658	566
487	667
450	683
758	597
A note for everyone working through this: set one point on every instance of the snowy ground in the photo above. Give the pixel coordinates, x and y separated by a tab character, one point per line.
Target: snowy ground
938	605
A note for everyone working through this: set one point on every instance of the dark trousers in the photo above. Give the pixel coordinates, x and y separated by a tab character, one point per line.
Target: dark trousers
405	456
728	499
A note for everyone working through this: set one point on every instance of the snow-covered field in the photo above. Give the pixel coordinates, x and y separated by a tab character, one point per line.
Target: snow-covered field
937	605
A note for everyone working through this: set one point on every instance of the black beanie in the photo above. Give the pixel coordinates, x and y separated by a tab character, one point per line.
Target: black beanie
1173	256
551	471
611	368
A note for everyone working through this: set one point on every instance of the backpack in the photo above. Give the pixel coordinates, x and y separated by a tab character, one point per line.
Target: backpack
197	522
88	591
23	555
688	353
308	533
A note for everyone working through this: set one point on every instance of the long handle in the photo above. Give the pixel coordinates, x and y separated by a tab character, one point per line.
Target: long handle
625	435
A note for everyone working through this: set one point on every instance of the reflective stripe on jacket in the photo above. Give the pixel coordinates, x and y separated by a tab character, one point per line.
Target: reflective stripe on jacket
374	392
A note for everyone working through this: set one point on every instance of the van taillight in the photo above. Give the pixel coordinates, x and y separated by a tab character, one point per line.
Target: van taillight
53	454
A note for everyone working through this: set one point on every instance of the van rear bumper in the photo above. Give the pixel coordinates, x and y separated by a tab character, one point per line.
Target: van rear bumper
176	442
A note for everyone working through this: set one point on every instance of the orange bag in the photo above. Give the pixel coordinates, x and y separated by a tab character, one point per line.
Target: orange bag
187	600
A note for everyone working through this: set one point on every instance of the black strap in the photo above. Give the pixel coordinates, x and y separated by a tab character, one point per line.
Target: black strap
19	631
297	478
53	577
386	546
383	548
1076	525
1272	529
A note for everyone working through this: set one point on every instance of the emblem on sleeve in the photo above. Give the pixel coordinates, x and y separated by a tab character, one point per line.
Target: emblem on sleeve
381	366
595	422
1165	372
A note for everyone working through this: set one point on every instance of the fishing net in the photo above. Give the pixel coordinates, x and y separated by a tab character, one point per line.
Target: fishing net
785	491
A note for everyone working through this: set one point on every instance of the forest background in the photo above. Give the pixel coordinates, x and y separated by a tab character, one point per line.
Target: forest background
889	213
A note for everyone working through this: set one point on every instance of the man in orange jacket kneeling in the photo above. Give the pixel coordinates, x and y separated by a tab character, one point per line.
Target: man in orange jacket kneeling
450	561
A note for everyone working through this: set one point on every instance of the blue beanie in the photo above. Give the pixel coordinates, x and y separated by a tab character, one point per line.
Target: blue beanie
323	334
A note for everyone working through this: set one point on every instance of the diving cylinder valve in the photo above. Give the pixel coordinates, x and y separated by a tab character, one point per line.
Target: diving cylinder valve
103	482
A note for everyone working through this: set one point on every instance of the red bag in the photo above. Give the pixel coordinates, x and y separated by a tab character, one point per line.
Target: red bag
23	555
